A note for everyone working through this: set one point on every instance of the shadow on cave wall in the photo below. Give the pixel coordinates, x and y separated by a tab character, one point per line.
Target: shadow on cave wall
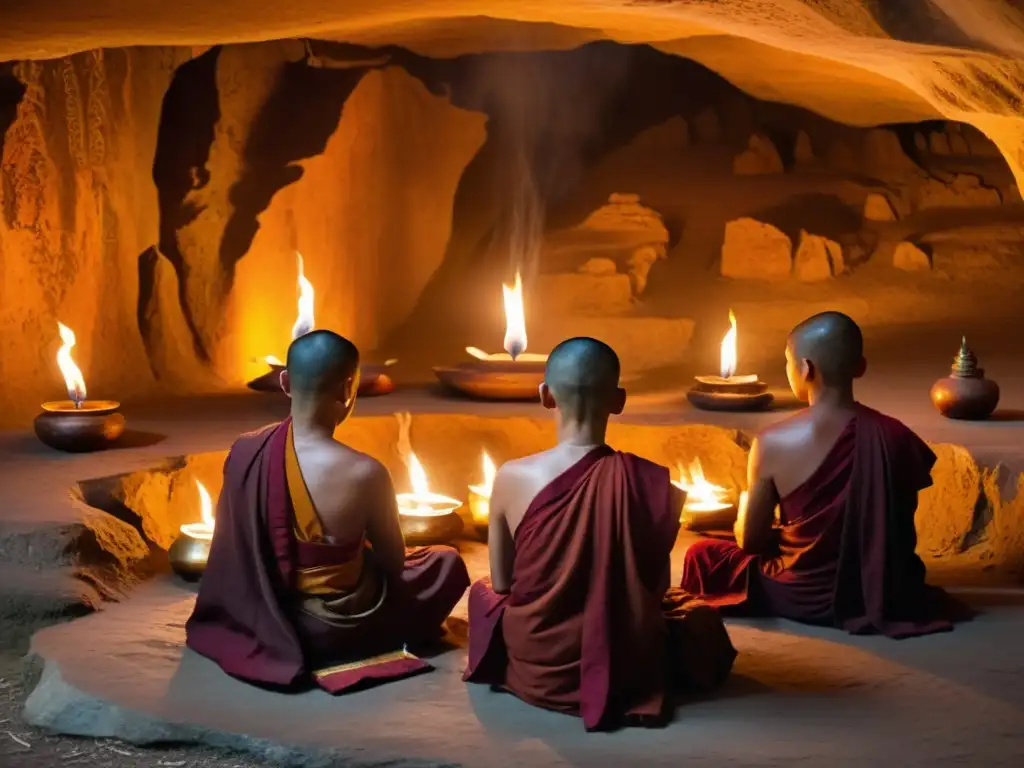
12	91
299	117
188	119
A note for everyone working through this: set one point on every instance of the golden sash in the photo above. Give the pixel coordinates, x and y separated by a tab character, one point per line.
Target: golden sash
323	580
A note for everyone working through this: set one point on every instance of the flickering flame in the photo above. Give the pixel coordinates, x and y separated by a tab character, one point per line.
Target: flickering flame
304	323
73	378
515	318
484	489
701	495
271	360
515	330
729	349
422	501
204	529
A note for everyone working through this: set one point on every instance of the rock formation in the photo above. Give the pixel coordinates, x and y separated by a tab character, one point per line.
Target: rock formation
803	151
758	158
878	208
623	232
817	258
753	250
910	258
707	127
965	190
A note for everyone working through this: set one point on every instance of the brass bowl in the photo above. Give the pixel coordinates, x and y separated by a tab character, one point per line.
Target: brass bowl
188	556
499	380
372	380
711	395
705	522
430	529
93	427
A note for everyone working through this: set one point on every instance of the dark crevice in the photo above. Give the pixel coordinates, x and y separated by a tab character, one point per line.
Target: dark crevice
295	123
188	119
12	91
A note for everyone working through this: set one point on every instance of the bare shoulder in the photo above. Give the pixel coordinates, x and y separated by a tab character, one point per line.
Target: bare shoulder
359	468
523	466
782	433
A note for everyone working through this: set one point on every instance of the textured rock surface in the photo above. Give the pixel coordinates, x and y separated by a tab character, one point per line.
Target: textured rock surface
964	190
878	208
754	250
946	515
760	157
124	673
817	258
803	150
910	258
583	293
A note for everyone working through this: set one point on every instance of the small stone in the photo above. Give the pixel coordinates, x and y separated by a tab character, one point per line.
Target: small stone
707	127
640	263
878	208
803	151
754	250
817	258
760	157
599	267
938	143
910	258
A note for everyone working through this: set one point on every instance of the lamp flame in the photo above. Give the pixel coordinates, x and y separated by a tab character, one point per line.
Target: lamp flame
485	489
729	349
275	361
515	318
701	495
73	378
422	501
304	323
204	529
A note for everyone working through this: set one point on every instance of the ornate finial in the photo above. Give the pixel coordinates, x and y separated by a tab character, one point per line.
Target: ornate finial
965	364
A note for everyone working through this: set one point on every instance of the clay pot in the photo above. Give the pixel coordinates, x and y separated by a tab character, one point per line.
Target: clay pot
188	556
971	398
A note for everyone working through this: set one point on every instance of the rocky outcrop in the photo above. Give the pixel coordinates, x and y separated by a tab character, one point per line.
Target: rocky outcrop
965	190
760	157
910	258
817	258
625	232
707	128
803	150
753	250
878	208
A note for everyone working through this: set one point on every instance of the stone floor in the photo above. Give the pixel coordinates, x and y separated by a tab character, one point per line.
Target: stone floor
797	696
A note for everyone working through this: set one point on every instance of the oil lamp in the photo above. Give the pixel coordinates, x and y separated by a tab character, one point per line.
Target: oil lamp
190	551
706	507
480	497
729	392
965	393
514	374
77	425
427	517
373	379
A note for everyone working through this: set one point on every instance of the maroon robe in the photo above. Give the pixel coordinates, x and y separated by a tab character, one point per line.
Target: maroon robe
846	543
251	619
582	629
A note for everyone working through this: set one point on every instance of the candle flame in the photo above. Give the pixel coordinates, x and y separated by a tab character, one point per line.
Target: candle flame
204	529
729	349
515	318
271	360
73	378
701	495
485	489
304	323
422	501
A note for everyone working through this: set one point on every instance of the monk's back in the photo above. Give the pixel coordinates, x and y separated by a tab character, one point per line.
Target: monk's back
340	482
795	449
532	474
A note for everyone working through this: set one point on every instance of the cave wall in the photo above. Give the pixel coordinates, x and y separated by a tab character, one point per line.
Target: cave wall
153	200
78	209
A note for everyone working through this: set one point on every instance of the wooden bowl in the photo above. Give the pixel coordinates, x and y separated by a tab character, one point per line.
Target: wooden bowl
93	427
500	380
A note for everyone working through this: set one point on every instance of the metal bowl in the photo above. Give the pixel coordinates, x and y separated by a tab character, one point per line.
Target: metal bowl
729	401
487	380
188	556
93	427
431	529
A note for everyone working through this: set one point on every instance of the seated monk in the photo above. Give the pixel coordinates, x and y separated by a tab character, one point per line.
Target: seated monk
845	479
579	537
308	577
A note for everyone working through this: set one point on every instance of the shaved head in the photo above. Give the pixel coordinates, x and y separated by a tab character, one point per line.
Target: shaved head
583	376
834	345
320	362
